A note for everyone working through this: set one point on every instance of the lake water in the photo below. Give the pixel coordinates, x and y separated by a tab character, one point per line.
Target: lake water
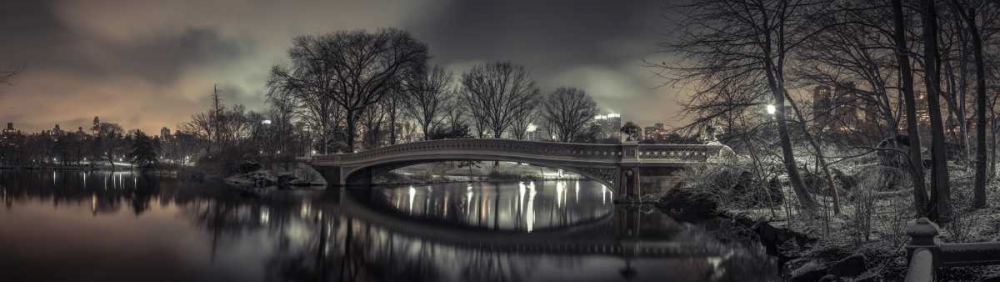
75	226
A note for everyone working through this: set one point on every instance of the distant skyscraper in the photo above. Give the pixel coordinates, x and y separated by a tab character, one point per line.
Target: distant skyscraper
97	126
610	124
9	129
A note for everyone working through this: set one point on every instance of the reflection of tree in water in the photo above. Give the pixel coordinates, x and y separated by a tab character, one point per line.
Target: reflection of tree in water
104	192
345	249
487	265
309	241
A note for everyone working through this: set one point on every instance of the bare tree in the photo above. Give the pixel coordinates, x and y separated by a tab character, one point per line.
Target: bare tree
743	42
202	127
355	69
526	113
393	103
906	81
568	110
969	17
856	48
495	94
940	190
7	75
428	94
372	120
455	114
309	95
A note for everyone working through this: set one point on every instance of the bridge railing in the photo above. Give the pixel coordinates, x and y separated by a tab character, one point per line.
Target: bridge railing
927	252
675	152
600	152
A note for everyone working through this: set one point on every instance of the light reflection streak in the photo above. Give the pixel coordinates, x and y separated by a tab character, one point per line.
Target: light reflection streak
413	193
577	191
530	215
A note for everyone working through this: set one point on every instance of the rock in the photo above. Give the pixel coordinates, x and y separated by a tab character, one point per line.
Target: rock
249	166
794	264
684	205
810	272
851	266
829	278
285	180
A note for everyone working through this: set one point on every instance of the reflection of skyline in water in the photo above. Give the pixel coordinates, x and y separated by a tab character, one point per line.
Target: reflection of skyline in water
175	231
522	206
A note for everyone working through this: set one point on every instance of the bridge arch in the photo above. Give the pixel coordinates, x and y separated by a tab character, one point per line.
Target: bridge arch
362	174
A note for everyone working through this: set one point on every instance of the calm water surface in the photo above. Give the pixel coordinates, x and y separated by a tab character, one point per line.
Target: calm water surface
74	226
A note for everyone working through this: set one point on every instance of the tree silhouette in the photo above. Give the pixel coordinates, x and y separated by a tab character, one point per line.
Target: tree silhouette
428	95
567	111
354	69
496	93
143	152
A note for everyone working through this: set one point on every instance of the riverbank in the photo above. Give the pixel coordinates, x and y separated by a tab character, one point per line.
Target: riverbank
865	241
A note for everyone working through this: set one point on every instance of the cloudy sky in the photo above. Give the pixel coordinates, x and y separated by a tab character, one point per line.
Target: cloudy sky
149	64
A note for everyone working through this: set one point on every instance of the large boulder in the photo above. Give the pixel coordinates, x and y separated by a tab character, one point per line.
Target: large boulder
850	266
809	272
686	205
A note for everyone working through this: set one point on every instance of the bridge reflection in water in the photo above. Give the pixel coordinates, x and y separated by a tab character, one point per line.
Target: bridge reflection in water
365	235
522	206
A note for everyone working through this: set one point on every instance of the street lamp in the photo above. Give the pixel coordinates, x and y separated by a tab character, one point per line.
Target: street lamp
771	109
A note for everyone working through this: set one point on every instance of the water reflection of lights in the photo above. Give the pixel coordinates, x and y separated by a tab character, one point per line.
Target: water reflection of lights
520	197
304	211
530	214
468	200
560	193
265	216
577	191
413	193
604	194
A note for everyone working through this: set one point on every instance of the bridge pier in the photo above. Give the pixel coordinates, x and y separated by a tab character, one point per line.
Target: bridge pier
330	173
628	188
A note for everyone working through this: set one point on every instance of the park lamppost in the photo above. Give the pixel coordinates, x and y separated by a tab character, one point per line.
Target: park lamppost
770	109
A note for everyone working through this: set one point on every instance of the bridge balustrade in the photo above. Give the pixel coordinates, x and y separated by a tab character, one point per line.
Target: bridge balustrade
927	252
591	152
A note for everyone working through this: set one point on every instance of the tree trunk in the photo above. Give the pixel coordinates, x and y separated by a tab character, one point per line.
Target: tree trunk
351	129
906	75
979	187
425	126
819	157
940	191
805	199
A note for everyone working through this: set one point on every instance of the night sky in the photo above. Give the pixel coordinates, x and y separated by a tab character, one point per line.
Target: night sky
149	64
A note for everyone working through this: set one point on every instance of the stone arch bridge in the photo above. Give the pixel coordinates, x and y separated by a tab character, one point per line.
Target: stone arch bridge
618	166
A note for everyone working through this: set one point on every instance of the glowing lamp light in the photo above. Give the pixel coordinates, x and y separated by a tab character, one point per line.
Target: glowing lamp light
532	127
266	122
771	109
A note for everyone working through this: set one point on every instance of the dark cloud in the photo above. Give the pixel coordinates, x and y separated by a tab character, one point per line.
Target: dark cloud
550	34
35	36
148	63
599	46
